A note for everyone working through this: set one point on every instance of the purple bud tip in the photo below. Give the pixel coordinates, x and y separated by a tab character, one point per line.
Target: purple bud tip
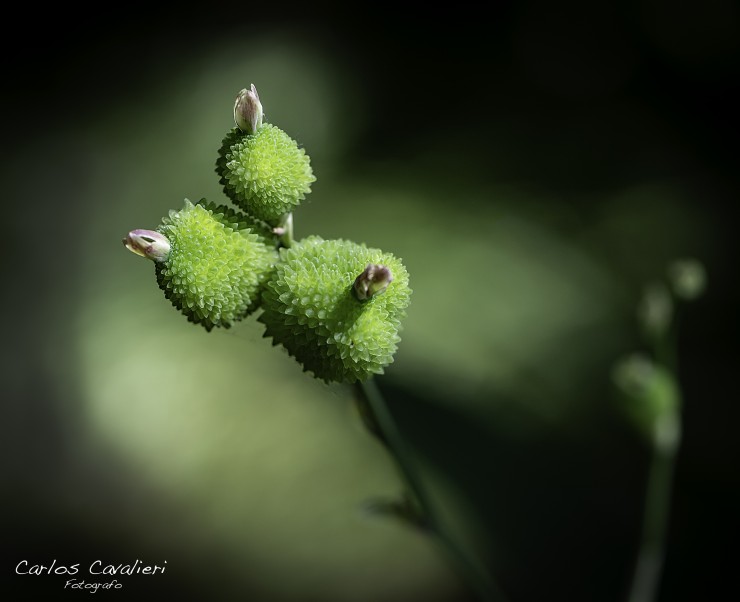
373	281
248	110
147	243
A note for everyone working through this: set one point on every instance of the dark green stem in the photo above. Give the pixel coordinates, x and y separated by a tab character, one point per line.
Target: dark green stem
382	420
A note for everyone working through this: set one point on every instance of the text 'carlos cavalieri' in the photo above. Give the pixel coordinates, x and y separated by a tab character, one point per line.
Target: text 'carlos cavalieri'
96	569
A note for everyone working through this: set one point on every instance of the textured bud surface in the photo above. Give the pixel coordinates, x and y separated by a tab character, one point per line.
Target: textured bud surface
217	265
264	173
310	308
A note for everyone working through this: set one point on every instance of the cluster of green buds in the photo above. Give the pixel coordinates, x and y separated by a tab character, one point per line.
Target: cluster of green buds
334	305
647	383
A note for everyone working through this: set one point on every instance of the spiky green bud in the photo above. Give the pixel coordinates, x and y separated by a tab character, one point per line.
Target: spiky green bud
217	264
264	173
310	308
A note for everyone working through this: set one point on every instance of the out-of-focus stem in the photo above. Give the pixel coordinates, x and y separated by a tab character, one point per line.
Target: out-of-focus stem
651	556
478	581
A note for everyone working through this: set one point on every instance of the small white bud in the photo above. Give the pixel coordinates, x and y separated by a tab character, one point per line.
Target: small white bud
248	110
147	243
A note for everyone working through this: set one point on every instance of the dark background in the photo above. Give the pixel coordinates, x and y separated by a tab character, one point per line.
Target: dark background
570	103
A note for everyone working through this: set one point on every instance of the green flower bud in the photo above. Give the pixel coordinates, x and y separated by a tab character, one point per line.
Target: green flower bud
264	173
248	111
217	264
310	307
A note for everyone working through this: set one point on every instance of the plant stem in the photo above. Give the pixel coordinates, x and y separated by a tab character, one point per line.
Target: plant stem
651	556
476	579
286	224
666	441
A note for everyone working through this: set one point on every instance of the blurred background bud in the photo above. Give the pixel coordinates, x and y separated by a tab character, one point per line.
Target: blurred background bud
650	398
655	310
688	278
